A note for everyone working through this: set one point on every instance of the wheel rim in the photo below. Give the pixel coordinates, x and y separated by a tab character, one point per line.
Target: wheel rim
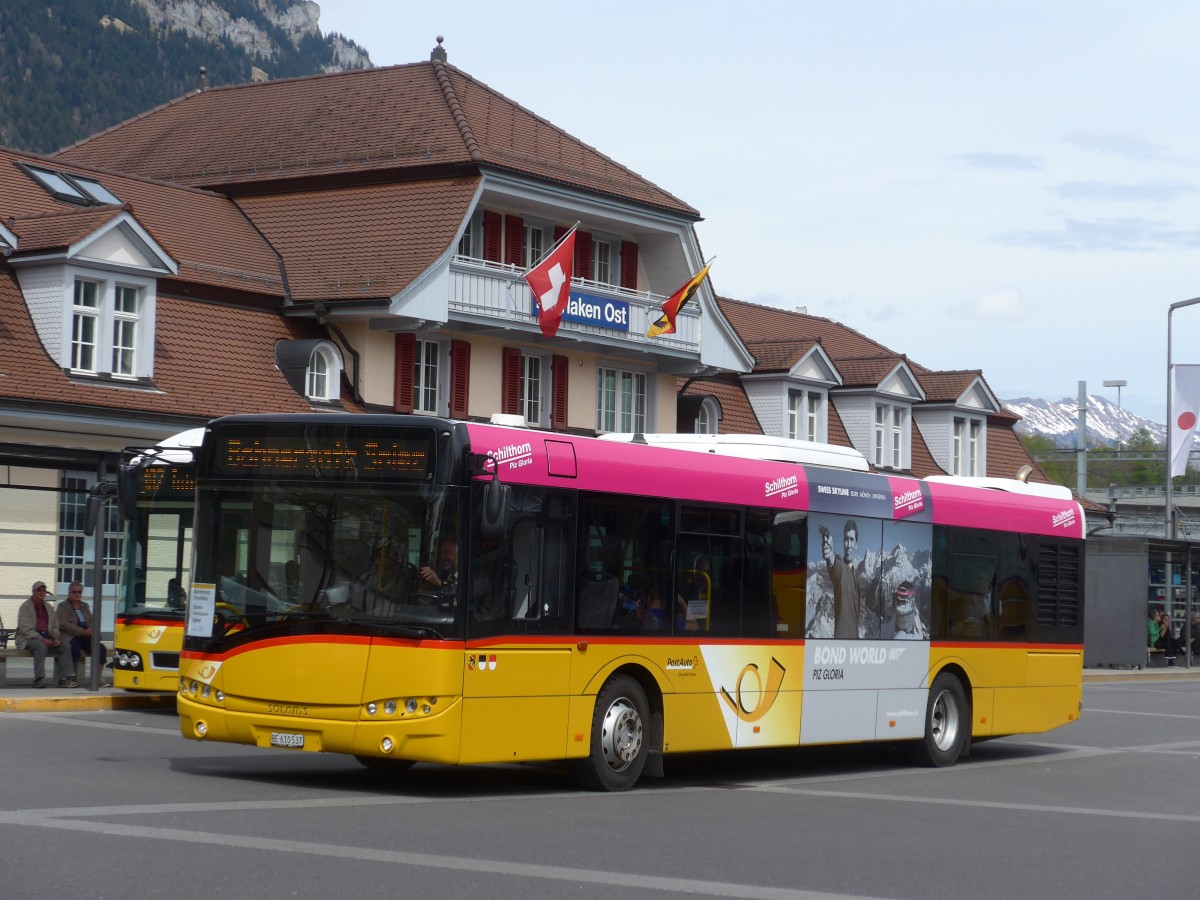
621	735
943	721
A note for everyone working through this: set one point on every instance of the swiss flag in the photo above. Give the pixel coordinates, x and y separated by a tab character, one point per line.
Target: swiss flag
550	281
1185	411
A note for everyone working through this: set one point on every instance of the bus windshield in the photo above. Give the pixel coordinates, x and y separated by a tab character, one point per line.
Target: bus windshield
377	558
158	542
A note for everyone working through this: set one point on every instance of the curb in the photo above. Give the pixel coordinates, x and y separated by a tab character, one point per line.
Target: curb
1143	675
59	703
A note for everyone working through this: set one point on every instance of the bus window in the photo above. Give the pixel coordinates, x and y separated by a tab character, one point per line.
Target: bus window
789	538
622	556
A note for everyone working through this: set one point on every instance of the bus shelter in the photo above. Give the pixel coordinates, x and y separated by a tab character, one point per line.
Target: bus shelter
1126	581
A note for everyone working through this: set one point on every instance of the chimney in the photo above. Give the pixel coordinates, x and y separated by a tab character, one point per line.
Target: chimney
438	54
202	80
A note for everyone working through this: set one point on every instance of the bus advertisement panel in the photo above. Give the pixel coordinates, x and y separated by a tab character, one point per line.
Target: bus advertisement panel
408	589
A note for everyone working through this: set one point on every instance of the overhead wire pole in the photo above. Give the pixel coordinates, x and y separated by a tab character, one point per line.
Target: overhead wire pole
1168	519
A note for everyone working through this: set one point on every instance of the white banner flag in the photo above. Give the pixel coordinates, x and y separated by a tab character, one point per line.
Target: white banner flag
1186	412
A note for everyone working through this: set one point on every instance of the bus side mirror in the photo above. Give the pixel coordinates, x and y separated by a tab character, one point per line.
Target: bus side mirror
127	492
496	497
99	495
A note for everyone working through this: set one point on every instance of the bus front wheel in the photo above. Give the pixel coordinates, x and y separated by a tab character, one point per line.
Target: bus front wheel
947	725
618	740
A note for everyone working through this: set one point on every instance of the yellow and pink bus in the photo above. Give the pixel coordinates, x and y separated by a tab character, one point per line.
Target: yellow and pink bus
414	589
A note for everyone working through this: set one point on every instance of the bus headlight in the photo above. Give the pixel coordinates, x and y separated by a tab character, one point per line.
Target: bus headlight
390	707
411	705
372	708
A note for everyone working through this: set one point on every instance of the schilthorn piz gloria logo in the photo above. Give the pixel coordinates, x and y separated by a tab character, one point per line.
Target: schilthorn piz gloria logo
515	455
784	486
1064	519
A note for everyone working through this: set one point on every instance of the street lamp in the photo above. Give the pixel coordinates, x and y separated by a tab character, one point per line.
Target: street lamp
1118	384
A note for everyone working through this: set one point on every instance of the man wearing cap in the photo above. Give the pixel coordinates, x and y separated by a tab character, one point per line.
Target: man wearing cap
37	632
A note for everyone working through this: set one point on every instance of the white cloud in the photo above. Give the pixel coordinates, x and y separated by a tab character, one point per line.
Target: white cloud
1002	304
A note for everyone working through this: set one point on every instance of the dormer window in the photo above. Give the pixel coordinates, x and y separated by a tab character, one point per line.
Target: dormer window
324	375
966	447
806	415
106	324
891	422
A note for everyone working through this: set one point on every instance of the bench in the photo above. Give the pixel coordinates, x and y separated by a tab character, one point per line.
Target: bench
9	651
1156	658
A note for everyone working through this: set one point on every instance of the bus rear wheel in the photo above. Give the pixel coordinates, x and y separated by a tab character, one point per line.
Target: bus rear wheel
947	725
618	747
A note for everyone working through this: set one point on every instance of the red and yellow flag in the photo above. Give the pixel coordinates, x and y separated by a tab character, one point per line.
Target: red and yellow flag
665	324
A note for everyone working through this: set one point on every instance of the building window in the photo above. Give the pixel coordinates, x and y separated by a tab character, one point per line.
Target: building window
889	436
805	409
323	378
108	326
85	314
620	401
466	243
602	262
534	245
125	323
531	389
966	446
425	377
707	417
73	561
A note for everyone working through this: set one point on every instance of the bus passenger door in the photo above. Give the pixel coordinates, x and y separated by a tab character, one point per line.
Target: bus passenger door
515	681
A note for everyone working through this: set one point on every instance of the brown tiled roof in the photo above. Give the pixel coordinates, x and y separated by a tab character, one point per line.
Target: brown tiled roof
211	241
754	323
866	371
59	229
737	415
776	355
1006	454
947	387
401	119
361	242
208	361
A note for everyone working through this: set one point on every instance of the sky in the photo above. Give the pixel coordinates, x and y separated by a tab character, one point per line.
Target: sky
1010	187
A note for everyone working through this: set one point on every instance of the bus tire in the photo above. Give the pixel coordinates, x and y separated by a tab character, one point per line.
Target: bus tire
947	725
385	764
618	746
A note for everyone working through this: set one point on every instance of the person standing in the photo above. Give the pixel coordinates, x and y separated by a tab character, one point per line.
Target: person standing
38	632
847	594
75	625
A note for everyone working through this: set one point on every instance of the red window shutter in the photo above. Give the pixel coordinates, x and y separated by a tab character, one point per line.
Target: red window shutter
583	254
559	231
510	381
560	372
514	241
491	235
406	349
460	378
629	261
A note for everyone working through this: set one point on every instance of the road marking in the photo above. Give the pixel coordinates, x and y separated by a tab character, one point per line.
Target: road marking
606	878
87	723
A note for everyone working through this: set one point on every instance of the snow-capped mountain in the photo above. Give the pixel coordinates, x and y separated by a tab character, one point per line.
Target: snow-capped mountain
1059	421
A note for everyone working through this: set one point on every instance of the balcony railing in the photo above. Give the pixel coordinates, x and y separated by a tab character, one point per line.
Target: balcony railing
493	290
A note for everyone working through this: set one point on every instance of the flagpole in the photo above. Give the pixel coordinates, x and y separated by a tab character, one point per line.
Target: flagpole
1168	519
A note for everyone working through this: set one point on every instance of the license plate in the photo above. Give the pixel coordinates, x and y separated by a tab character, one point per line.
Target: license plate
283	739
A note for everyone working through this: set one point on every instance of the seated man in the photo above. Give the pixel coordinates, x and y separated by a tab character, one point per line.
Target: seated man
75	625
37	632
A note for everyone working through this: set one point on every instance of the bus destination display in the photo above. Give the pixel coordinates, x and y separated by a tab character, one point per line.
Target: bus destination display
369	457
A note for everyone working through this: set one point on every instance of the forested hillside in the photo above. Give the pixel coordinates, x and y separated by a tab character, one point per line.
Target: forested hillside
69	68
